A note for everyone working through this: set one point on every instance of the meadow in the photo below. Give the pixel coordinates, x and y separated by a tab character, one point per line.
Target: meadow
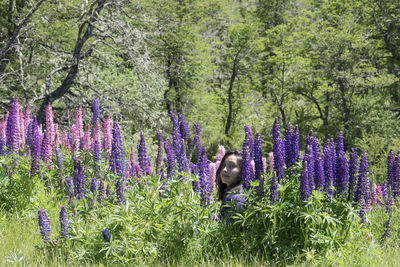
91	195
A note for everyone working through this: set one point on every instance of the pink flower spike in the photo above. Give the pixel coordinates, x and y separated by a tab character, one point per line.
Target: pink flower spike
271	161
221	153
65	141
212	170
264	167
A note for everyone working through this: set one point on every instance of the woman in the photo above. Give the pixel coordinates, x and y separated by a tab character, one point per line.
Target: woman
229	183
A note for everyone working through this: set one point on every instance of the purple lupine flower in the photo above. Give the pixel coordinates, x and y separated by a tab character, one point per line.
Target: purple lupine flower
385	192
304	180
361	180
70	140
176	135
117	161
96	113
198	148
108	193
195	183
352	172
100	195
44	225
93	185
44	151
106	235
144	161
388	226
278	151
196	130
119	190
342	174
258	157
319	175
183	127
339	148
183	163
309	149
35	148
12	127
246	171
170	162
70	190
396	176
290	147
273	195
296	143
159	152
63	222
3	148
329	159
205	187
96	157
60	164
79	179
390	169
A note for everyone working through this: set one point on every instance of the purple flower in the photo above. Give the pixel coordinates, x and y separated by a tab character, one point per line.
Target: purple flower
159	152
329	159
93	185
390	168
106	235
44	225
291	143
304	180
273	196
258	157
352	172
386	233
79	179
35	148
170	159
319	175
96	112
196	130
96	157
278	151
117	161
119	190
12	127
63	222
247	171
44	152
342	174
183	127
205	186
70	189
198	147
396	176
144	161
100	195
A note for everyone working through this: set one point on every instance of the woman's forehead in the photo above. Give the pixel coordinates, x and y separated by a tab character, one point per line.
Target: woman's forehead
231	158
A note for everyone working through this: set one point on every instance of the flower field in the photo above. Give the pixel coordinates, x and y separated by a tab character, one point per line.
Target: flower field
87	194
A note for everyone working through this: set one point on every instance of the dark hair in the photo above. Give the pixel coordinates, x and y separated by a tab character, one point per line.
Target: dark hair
221	186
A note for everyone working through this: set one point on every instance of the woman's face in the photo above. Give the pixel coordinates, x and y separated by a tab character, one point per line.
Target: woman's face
230	173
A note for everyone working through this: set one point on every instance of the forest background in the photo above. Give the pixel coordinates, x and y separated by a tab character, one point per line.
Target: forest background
324	65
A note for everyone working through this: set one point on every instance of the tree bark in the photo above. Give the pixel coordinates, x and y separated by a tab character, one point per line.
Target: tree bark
74	67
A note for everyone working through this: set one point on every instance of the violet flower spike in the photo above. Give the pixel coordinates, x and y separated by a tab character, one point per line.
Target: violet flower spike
44	225
63	222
